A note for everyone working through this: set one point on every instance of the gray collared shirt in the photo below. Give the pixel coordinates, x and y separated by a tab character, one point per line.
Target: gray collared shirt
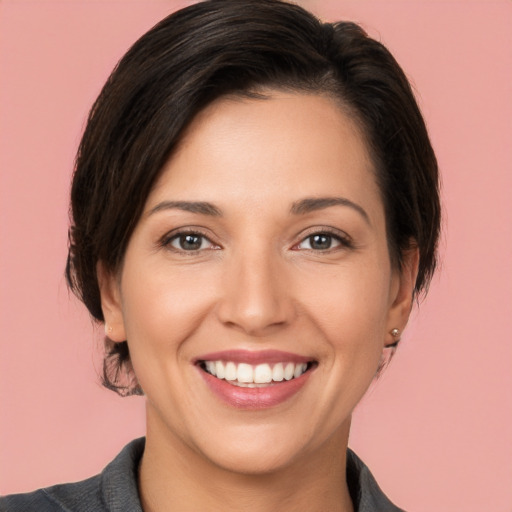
115	489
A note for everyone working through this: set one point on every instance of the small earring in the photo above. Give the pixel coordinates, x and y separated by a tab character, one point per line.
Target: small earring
396	334
108	329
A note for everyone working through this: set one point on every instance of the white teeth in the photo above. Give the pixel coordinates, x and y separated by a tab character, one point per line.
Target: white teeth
219	370
278	372
288	371
246	375
299	370
230	371
262	374
210	366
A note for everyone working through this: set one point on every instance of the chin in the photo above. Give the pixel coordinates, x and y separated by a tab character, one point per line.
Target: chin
259	459
267	449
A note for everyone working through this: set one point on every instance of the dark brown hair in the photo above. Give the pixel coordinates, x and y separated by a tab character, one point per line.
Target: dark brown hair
240	47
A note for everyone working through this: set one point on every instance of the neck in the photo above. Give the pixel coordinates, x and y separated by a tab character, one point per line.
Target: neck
174	476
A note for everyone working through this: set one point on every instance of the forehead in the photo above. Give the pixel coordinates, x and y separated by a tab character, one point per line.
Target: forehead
267	149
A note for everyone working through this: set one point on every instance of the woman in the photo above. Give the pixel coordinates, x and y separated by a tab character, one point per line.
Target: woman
254	208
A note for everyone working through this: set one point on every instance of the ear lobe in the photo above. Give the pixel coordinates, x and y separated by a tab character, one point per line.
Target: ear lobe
111	303
402	293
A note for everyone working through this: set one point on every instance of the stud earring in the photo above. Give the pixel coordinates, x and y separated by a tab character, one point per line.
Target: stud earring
108	329
396	334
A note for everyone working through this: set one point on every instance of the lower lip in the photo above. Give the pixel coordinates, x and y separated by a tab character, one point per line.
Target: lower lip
254	398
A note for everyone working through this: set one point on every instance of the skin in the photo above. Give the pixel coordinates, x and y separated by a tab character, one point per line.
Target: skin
255	283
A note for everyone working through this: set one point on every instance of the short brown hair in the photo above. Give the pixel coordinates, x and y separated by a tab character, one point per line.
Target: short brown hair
220	47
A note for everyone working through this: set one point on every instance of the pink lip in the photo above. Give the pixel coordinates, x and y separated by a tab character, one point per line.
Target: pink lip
254	398
254	357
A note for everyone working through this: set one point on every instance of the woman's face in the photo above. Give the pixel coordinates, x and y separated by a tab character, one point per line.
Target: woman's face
257	292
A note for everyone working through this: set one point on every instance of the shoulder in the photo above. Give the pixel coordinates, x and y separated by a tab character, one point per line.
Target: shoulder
113	490
74	497
366	494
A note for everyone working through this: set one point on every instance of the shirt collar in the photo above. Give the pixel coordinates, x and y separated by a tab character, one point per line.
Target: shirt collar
119	488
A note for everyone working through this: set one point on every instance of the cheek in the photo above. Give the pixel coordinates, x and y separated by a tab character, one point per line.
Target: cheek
350	299
350	309
162	308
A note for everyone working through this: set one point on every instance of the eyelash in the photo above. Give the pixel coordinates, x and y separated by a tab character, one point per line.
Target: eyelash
343	240
167	240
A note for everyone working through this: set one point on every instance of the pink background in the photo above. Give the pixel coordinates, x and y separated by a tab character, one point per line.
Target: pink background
436	430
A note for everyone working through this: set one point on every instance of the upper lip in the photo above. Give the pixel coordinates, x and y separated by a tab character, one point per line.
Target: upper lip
254	357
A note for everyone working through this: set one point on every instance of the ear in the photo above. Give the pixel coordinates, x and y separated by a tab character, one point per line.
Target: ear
401	296
111	306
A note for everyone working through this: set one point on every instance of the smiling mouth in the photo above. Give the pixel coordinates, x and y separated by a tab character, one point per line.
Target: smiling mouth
255	376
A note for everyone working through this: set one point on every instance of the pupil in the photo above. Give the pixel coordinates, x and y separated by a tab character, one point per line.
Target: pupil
190	242
321	242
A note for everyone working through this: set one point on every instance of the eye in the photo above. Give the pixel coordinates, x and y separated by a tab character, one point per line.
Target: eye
189	242
322	242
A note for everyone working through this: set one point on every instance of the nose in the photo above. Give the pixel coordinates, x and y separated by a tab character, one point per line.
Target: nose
256	298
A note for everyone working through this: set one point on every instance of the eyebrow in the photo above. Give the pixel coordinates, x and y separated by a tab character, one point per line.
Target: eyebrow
311	204
200	207
302	207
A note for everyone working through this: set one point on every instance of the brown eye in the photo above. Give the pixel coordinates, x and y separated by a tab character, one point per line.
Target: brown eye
190	242
323	241
320	242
